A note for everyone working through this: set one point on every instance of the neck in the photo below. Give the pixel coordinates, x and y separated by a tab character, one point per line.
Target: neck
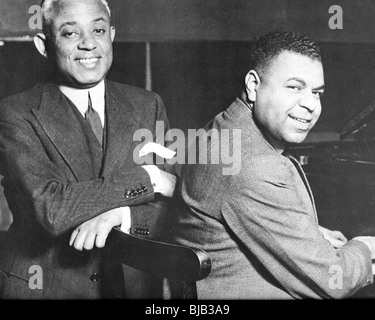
278	145
61	81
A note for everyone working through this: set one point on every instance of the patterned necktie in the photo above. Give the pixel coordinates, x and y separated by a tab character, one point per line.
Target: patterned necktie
93	119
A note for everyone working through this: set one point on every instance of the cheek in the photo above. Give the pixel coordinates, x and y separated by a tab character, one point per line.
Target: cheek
317	112
64	52
108	52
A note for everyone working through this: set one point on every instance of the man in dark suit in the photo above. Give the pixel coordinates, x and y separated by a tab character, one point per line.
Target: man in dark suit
66	154
258	222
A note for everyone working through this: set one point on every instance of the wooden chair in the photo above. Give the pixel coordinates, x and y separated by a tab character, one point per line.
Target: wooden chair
174	268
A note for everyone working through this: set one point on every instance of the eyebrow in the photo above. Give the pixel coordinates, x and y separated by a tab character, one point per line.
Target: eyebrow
322	87
303	83
73	23
100	19
68	23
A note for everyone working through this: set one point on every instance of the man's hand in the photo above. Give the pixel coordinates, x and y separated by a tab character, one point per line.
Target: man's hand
163	182
336	238
95	231
169	183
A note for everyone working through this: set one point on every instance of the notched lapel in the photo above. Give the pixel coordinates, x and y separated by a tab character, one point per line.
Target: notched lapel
62	127
304	179
122	121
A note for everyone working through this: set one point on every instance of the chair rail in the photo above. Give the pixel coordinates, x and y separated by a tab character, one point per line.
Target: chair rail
169	260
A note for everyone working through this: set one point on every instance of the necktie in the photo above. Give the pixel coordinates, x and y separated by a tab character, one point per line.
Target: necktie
93	119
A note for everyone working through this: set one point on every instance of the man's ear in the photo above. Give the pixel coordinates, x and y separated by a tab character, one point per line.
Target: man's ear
252	82
40	42
113	32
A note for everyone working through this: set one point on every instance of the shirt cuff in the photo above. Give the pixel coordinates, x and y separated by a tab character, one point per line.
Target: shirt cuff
126	219
155	177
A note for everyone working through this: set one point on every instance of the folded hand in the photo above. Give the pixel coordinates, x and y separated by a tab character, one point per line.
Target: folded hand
336	238
95	231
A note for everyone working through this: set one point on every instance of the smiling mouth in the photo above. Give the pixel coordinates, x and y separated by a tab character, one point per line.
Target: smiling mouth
300	120
88	60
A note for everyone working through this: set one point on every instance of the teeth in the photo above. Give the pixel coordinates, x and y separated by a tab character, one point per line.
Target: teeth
300	120
88	60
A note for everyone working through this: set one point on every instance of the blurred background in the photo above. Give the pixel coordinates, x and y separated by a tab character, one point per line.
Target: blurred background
194	54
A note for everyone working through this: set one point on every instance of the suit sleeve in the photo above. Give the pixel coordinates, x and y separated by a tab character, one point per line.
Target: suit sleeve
41	188
152	217
269	216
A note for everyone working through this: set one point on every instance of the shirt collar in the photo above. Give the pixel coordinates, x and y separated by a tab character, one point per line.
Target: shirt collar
80	98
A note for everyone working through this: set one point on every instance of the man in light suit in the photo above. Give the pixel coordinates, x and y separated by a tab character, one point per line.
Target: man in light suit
259	225
66	154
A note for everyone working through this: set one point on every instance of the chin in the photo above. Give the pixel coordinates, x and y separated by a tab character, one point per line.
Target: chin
88	82
297	138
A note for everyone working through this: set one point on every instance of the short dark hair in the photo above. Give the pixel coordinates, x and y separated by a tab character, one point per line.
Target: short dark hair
270	45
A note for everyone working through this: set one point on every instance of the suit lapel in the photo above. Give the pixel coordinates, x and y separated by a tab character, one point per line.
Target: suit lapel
60	124
304	179
122	120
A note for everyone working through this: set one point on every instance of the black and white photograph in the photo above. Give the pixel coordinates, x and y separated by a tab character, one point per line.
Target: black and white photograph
204	151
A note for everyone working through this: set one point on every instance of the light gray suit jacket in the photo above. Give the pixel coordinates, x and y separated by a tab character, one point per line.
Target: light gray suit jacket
260	227
56	177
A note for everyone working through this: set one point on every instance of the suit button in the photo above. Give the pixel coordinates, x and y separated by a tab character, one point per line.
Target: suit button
94	277
133	193
127	194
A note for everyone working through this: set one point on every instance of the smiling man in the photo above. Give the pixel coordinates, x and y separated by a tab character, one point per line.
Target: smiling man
287	97
80	38
260	226
66	154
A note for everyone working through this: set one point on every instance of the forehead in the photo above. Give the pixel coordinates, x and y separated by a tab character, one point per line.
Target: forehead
294	65
79	11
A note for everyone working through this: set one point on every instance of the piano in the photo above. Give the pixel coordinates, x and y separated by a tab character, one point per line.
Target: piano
341	174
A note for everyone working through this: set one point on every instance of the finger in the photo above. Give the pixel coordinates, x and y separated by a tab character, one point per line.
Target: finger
80	239
340	236
338	243
102	237
73	236
89	240
344	238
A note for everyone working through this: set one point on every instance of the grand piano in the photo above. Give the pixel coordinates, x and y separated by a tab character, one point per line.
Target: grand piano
342	177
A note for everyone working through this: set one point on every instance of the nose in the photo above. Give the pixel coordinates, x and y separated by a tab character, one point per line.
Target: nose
87	42
309	102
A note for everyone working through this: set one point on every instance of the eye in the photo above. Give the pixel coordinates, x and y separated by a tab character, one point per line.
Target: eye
69	34
318	94
294	88
99	31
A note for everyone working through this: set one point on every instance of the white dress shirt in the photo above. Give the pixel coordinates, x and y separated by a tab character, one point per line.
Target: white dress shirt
80	99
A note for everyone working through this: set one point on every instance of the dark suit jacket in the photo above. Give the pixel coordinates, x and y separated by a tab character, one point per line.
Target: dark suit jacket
56	177
260	226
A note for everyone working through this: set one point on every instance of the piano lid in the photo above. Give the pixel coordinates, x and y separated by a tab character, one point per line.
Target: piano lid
360	123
